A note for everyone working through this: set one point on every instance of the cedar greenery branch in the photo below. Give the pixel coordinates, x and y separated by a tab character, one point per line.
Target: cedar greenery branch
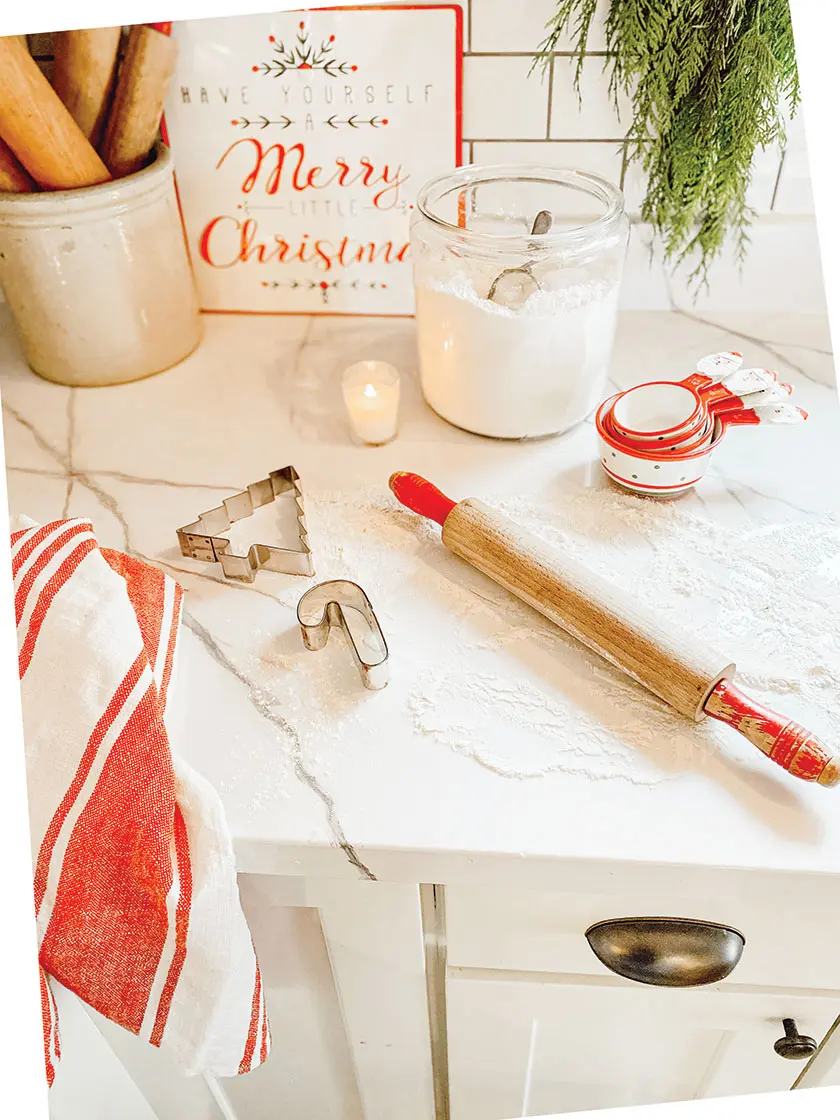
708	81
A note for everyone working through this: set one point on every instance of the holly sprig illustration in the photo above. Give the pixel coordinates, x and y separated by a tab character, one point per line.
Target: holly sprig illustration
323	285
303	54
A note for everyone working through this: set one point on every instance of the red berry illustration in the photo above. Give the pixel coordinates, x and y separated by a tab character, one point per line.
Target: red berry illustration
271	39
324	285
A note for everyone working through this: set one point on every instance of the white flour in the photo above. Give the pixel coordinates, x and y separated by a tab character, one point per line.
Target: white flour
476	672
513	373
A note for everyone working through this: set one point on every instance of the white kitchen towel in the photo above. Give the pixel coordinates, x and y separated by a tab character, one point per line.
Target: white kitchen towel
135	886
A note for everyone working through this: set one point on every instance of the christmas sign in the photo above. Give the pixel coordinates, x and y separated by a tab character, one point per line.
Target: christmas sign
301	140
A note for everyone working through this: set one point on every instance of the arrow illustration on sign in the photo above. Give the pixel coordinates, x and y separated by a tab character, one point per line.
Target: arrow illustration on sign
356	121
262	122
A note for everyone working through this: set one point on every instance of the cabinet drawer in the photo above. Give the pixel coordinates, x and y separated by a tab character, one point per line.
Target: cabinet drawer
791	937
531	1048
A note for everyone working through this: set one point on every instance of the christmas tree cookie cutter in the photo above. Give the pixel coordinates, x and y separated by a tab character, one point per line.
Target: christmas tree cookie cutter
202	539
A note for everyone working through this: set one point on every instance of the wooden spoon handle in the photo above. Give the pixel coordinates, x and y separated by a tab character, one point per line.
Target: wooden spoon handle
786	743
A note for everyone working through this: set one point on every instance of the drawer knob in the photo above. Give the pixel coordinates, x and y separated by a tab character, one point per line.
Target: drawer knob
669	952
794	1045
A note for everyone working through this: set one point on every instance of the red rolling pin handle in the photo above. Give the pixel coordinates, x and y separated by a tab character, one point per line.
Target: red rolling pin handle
786	743
420	496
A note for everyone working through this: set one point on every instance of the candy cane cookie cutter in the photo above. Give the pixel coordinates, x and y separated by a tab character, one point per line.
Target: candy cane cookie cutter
341	603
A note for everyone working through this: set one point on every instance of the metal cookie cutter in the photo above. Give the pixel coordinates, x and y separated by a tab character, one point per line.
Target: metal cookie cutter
338	602
201	540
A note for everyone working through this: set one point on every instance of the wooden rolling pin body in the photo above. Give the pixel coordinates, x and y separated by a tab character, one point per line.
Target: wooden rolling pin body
680	671
38	128
138	103
85	71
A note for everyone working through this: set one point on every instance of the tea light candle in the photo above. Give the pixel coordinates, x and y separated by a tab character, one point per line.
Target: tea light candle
372	396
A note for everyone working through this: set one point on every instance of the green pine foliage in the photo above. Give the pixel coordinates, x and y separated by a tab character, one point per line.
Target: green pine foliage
708	81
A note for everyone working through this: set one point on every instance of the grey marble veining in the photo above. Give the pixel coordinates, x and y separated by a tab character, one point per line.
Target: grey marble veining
139	460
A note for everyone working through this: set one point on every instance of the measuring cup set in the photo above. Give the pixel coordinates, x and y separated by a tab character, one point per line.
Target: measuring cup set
658	437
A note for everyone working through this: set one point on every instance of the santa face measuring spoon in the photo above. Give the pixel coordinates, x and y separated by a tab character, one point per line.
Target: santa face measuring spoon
513	286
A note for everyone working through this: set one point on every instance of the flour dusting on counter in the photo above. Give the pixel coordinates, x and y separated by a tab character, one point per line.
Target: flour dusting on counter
477	672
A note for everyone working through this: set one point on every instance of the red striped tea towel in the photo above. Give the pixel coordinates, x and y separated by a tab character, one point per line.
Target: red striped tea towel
135	885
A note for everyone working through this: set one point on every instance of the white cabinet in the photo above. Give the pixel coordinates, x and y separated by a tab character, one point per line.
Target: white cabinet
537	1025
344	974
520	1047
383	995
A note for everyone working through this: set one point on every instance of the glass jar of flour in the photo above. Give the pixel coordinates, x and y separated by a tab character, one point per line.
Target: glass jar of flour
516	276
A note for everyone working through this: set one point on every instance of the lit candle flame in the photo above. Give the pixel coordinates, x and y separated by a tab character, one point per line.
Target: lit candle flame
369	390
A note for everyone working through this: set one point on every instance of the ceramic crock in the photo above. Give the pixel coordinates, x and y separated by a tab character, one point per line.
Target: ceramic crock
98	279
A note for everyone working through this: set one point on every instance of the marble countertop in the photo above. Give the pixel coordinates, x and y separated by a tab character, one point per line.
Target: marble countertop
499	745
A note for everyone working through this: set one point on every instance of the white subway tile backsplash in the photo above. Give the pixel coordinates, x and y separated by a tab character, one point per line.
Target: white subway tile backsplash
782	270
592	114
496	29
765	174
504	100
794	194
643	286
600	158
634	187
759	195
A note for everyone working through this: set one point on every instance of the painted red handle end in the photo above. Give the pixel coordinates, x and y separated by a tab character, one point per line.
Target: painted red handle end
786	743
418	494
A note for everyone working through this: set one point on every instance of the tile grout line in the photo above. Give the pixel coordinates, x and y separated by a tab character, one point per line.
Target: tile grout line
550	97
778	181
543	140
532	54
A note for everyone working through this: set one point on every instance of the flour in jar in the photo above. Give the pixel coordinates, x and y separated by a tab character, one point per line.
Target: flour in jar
533	370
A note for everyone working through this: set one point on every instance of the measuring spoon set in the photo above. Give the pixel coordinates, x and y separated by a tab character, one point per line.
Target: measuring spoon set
658	437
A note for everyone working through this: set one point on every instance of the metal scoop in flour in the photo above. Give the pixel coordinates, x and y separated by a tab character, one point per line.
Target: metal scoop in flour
514	285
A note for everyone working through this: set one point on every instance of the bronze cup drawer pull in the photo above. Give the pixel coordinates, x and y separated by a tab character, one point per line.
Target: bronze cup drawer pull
668	952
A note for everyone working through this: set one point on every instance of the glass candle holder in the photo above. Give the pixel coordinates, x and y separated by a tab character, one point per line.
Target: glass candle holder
372	397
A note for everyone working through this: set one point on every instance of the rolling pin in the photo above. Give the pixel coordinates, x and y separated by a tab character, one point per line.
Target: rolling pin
693	680
138	102
84	75
38	128
13	178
